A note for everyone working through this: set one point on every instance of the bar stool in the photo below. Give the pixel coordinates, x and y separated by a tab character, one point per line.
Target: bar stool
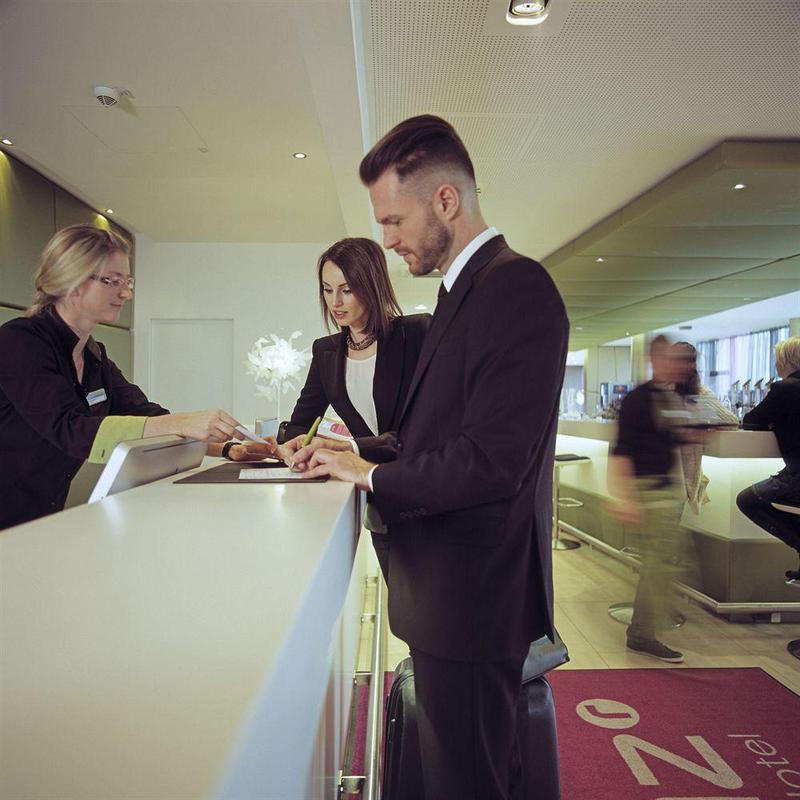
794	646
563	460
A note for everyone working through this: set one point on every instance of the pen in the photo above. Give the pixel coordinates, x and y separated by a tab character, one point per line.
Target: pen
310	435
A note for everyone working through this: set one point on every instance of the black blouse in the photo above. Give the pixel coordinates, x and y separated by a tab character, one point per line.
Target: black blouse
779	411
48	419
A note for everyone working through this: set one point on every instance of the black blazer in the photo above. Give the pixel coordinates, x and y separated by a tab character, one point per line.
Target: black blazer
394	367
468	499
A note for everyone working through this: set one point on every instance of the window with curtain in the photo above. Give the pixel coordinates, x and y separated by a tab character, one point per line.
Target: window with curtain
722	362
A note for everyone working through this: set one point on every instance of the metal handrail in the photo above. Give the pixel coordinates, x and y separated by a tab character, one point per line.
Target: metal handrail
368	784
717	606
372	754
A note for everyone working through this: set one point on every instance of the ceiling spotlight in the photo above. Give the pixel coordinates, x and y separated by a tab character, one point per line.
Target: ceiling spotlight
299	155
7	142
600	260
578	327
627	333
527	12
109	211
740	186
420	308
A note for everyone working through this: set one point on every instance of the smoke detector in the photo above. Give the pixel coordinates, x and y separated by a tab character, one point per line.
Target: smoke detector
109	96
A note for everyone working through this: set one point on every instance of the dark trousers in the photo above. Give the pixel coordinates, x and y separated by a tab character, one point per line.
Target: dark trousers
466	718
755	503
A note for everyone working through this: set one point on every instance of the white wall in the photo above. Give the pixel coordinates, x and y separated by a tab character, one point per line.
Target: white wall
263	288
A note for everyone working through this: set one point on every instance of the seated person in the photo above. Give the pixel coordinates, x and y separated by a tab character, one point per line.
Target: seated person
779	411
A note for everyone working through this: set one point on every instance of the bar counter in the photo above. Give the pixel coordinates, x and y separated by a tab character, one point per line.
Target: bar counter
739	562
181	641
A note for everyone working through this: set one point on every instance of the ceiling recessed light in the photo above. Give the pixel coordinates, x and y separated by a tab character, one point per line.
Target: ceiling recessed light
299	155
740	186
420	308
600	260
109	211
578	327
527	12
7	142
746	298
627	333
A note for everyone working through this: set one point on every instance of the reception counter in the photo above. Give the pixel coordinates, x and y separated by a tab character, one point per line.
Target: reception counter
740	565
181	641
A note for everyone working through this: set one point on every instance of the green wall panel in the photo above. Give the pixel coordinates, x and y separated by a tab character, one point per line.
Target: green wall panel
26	224
118	341
118	346
8	313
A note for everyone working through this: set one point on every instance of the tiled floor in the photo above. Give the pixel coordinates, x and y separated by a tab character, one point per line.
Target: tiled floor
586	582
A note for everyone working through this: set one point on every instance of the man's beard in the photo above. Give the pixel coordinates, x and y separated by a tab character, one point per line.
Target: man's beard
434	246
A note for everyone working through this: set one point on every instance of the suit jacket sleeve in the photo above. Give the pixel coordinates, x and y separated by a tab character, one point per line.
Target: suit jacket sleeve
312	401
378	449
516	350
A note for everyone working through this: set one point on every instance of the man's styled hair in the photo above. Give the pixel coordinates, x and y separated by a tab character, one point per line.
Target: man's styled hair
418	144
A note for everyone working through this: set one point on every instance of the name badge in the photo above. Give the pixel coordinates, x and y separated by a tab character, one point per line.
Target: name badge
97	396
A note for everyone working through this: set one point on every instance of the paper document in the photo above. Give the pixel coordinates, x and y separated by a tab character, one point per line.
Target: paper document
251	436
272	474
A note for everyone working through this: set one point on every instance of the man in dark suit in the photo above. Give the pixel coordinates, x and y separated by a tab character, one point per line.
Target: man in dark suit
467	497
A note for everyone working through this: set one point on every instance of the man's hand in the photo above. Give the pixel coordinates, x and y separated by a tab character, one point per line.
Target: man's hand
297	456
346	467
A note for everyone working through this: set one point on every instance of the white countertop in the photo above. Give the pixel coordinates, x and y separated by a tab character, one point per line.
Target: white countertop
719	444
143	635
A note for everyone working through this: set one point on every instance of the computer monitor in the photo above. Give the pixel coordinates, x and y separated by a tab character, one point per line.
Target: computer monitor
142	461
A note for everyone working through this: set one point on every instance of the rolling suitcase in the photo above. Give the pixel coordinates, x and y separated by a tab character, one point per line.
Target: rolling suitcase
402	770
536	731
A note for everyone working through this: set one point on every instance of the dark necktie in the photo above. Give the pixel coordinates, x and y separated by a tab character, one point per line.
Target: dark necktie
440	298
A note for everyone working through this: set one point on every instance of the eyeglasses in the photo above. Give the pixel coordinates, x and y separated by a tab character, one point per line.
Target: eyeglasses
114	283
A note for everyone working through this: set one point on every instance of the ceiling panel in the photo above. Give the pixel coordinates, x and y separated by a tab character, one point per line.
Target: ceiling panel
672	232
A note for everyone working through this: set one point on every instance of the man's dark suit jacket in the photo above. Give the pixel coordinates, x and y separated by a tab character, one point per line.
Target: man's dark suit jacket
468	498
325	385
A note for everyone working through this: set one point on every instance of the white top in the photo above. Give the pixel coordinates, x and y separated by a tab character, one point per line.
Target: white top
460	261
359	377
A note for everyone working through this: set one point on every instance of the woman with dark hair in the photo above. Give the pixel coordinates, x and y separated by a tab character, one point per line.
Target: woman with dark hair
364	370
